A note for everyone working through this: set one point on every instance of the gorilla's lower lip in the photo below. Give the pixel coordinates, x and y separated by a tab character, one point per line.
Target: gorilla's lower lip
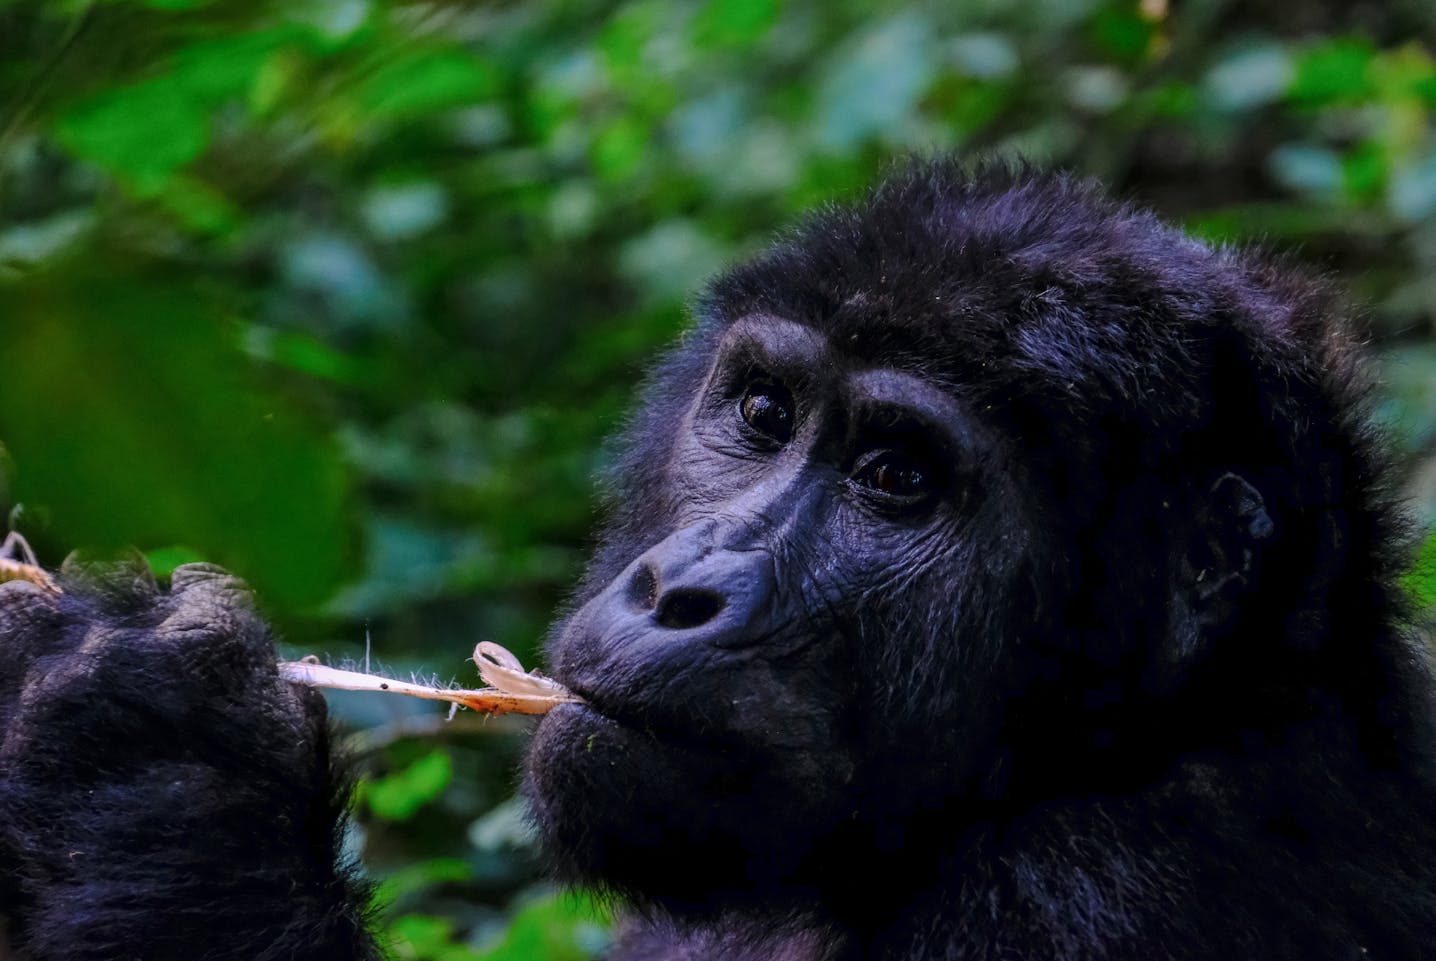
588	707
597	703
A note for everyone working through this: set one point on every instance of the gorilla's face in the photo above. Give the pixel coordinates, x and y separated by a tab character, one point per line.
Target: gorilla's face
938	516
789	618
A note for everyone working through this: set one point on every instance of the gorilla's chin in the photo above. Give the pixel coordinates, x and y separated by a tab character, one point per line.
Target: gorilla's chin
661	821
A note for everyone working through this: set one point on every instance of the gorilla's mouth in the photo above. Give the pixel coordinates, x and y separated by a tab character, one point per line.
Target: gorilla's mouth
596	706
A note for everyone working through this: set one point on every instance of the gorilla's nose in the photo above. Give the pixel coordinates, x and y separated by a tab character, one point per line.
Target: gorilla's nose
686	584
685	607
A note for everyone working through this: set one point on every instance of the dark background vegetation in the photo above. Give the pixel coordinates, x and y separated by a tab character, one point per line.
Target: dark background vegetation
344	294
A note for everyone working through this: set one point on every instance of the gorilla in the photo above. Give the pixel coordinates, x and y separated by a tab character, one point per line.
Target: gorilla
991	572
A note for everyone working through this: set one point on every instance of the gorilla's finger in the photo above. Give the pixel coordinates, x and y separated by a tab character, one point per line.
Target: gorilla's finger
118	583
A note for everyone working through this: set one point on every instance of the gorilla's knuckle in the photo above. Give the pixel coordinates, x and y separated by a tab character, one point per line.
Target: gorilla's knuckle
211	579
117	584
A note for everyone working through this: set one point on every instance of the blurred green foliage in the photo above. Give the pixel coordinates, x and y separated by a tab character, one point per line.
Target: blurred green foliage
345	294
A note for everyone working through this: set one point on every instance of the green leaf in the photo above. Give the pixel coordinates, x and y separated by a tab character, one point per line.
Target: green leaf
559	927
1122	32
133	416
423	937
163	560
1421	582
198	206
1335	71
144	131
626	35
424	84
399	796
620	147
225	68
147	130
1364	171
732	23
414	878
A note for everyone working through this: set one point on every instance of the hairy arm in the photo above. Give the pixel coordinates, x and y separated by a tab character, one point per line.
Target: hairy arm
163	793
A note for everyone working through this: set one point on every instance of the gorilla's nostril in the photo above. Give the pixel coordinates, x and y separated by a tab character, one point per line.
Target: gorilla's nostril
643	588
687	607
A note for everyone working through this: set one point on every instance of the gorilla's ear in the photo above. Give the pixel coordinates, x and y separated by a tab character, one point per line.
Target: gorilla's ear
1212	572
1231	526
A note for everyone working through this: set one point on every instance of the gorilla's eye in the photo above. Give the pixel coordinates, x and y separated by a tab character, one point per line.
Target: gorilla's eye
768	409
899	477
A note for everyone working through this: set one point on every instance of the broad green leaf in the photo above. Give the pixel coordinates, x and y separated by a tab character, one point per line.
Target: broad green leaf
147	130
144	132
134	418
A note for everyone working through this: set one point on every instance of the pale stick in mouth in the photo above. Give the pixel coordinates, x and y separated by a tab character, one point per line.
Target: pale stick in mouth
512	690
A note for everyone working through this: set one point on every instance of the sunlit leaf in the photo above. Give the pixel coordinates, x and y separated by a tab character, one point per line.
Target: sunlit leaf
400	795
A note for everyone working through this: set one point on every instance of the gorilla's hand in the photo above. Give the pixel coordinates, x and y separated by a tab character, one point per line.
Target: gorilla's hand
164	793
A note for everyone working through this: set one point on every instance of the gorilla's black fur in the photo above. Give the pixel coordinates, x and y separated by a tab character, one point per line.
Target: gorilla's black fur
993	572
163	794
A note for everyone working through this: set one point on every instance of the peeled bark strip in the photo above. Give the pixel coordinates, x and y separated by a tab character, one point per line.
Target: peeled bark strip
18	563
514	690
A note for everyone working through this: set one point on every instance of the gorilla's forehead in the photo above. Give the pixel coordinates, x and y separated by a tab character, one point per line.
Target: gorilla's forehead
980	281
